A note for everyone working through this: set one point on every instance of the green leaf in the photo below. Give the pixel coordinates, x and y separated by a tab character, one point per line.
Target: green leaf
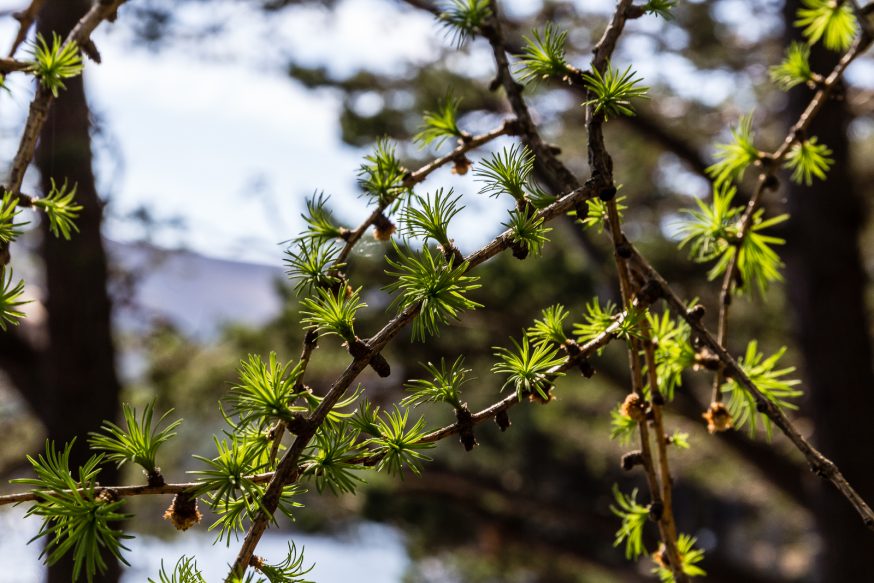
550	327
9	210
673	351
61	210
440	124
832	21
679	439
437	286
506	172
795	68
428	217
733	158
597	212
689	559
76	519
330	462
319	220
769	379
710	229
381	176
10	300
622	427
464	19
613	90
138	442
596	320
185	571
290	570
311	264
54	64
807	159
333	312
634	517
528	231
399	447
660	8
530	369
444	387
266	391
543	55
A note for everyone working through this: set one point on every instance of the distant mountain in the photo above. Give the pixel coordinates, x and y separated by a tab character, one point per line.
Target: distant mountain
197	294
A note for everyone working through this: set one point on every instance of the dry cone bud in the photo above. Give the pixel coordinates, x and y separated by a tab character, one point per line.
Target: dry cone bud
183	512
718	418
634	407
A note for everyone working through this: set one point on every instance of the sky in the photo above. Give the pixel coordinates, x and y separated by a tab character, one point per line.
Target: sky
214	132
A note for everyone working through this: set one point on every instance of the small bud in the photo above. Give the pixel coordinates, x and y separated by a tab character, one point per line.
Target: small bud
503	420
696	312
607	193
183	512
706	359
520	251
660	557
718	418
656	509
154	477
631	459
623	250
108	495
461	165
383	228
650	292
634	407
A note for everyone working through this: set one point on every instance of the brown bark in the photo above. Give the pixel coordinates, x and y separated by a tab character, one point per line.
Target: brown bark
825	284
82	386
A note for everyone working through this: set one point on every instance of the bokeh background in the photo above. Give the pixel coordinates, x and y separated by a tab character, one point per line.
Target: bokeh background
207	126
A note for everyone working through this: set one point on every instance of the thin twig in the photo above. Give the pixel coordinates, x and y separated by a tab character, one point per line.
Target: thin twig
25	19
818	463
287	471
465	146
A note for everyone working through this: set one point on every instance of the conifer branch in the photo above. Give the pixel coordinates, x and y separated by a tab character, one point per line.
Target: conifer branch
819	464
767	179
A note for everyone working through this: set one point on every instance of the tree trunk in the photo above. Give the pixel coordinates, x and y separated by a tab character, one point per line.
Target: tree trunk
825	284
79	367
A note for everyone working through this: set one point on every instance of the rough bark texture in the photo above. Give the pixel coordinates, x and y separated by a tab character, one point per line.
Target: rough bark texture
825	285
82	386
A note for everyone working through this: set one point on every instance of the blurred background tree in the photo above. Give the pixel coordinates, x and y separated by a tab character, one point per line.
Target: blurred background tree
532	504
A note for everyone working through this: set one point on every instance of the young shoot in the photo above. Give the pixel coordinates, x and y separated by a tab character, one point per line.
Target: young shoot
444	386
138	442
506	172
10	299
52	64
464	19
770	380
612	91
60	209
807	159
794	69
332	312
732	159
543	55
831	21
440	124
397	446
550	326
634	517
530	370
437	286
428	217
